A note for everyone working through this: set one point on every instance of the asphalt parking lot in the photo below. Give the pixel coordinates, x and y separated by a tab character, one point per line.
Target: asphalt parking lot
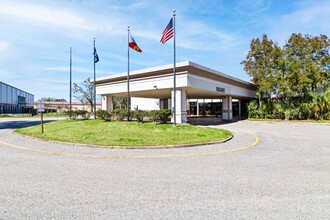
269	170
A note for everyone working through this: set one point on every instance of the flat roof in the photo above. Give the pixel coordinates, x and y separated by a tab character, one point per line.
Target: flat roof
165	69
16	88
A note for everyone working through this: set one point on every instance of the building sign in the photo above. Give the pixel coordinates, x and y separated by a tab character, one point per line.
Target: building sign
219	89
41	106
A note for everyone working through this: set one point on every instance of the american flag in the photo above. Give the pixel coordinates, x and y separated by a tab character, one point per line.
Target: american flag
168	32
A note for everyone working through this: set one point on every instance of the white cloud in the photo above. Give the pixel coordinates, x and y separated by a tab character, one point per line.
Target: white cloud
7	75
308	18
8	53
200	36
4	48
43	15
248	7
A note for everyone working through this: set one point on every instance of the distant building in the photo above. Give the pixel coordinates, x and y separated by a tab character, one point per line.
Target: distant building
14	100
61	107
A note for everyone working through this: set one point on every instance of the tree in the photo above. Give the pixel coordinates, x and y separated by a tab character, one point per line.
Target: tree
261	64
289	78
84	92
308	63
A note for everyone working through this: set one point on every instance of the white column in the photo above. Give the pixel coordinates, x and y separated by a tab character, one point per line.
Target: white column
107	102
181	106
184	106
227	108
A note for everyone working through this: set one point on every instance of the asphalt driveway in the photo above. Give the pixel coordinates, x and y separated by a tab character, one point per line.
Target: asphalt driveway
284	174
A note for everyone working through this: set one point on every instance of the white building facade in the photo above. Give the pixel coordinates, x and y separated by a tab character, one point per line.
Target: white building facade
200	91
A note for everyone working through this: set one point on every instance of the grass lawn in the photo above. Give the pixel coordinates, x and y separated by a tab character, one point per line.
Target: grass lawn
115	133
15	115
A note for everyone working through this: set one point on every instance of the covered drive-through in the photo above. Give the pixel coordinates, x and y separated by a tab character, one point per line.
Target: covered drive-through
152	88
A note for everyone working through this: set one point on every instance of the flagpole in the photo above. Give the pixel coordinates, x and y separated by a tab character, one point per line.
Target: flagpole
94	85
174	73
70	81
128	92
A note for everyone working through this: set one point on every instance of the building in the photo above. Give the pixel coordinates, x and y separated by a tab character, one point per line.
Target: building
201	91
61	107
14	100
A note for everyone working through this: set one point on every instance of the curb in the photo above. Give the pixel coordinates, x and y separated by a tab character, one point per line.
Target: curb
131	147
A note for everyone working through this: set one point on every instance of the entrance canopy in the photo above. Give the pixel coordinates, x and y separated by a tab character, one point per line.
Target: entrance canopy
193	81
198	82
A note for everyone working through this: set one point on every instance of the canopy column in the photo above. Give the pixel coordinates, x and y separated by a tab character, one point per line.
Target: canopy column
181	106
107	103
227	108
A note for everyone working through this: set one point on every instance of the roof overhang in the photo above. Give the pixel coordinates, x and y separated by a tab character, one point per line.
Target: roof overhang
157	82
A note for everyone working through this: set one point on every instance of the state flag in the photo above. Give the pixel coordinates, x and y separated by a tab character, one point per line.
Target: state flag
96	57
132	44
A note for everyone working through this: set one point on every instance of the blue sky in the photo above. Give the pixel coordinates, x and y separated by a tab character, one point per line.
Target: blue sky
36	36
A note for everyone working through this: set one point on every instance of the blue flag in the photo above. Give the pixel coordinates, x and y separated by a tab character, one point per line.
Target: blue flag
96	57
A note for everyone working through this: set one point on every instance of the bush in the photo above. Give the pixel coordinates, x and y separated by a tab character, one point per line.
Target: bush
164	114
278	111
154	115
159	115
306	111
70	115
120	114
140	115
84	114
253	109
104	115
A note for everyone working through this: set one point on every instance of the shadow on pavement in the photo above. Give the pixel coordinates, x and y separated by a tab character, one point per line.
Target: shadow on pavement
20	124
209	121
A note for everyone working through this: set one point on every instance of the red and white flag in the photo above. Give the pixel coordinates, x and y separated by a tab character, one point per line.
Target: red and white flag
168	32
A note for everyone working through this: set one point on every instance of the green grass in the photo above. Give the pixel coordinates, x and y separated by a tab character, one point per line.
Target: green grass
27	115
50	115
114	133
19	115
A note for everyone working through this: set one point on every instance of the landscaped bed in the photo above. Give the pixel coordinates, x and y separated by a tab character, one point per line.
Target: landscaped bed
97	132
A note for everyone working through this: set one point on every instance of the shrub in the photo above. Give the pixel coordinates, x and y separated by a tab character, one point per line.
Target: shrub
139	115
103	114
84	114
278	111
154	115
120	114
159	115
164	114
70	115
305	112
253	109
